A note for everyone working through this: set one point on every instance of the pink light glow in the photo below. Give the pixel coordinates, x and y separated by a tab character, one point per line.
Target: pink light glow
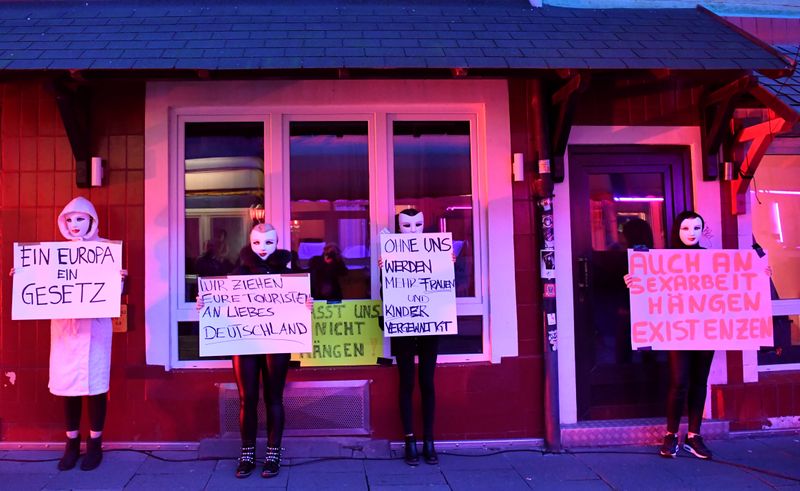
637	199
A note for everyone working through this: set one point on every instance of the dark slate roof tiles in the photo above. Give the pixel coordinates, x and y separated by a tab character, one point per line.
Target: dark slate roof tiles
280	34
787	89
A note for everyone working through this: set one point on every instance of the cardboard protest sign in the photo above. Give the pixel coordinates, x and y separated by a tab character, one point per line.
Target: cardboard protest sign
419	286
695	299
255	314
344	333
66	280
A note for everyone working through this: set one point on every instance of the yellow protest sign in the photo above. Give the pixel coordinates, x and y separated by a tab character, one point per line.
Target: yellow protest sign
344	334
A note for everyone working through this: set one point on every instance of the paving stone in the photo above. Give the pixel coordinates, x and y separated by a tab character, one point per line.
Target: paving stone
25	482
550	468
350	481
50	458
110	475
485	480
327	465
223	478
406	479
155	466
420	487
172	482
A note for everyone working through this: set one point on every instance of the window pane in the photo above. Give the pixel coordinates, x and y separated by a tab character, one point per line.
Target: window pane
224	176
776	205
329	180
433	173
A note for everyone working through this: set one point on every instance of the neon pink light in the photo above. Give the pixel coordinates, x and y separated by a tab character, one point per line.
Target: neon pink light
637	199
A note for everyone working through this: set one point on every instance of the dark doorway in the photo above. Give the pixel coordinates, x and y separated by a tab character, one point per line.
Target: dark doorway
621	197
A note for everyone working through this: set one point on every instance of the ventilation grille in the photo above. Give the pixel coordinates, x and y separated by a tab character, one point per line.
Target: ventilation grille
333	407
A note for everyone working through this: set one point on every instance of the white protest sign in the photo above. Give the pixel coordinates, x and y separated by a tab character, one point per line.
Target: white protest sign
695	299
255	314
66	280
419	286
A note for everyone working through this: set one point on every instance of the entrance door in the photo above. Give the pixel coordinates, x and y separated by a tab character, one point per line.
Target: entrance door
621	197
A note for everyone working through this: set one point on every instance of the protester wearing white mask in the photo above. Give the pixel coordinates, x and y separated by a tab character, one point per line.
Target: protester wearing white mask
80	354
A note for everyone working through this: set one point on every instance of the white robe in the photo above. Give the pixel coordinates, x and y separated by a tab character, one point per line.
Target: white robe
80	349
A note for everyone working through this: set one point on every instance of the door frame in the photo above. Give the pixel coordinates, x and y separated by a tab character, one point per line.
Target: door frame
673	162
706	200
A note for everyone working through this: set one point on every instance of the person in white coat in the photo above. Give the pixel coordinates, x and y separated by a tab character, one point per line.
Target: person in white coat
80	354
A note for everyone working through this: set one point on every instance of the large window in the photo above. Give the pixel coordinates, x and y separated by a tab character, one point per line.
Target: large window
775	205
329	182
331	163
433	174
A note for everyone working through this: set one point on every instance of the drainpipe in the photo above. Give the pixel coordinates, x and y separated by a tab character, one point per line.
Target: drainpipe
543	192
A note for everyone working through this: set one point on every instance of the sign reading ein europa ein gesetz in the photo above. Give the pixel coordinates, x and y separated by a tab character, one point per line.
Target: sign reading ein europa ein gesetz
66	280
418	281
255	314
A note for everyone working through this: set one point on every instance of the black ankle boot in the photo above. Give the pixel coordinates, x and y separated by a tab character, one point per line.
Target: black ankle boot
272	462
429	452
72	450
94	453
411	455
247	462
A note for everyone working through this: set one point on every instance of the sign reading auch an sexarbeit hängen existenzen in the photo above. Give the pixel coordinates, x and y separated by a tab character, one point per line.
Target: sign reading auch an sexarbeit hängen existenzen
255	314
419	287
66	280
690	299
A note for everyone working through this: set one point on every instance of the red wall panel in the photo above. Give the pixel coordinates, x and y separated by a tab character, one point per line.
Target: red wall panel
149	404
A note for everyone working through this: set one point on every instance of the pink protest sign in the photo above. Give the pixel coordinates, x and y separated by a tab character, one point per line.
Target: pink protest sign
696	299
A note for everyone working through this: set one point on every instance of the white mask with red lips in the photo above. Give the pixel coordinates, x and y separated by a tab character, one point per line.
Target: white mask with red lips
411	224
263	243
690	231
78	224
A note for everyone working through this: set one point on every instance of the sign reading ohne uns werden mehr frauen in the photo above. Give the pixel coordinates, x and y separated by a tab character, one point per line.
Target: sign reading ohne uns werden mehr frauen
66	280
419	288
255	314
690	299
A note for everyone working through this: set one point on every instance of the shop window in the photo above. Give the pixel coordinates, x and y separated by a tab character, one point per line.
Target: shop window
333	210
433	174
775	205
326	173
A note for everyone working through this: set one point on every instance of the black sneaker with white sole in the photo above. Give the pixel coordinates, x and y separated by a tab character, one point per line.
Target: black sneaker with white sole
670	446
695	446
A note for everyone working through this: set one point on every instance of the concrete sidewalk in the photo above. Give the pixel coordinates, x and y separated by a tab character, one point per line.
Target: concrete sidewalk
760	462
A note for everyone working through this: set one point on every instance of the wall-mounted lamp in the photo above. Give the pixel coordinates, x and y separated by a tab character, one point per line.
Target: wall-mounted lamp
518	167
97	171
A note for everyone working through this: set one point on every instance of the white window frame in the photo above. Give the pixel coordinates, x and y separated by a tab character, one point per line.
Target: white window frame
483	103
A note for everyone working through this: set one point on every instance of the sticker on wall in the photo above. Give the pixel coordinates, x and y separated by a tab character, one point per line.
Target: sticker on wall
548	264
549	290
552	339
551	319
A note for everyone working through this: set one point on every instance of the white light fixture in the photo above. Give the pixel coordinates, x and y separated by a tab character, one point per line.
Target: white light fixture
97	171
518	167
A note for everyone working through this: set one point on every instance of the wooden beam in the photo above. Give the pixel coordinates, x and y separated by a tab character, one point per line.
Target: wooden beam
564	101
759	137
73	106
718	107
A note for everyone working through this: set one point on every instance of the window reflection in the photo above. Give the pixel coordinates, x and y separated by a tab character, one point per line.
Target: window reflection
433	173
329	180
223	177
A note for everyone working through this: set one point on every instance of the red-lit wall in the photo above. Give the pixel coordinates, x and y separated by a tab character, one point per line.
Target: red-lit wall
147	403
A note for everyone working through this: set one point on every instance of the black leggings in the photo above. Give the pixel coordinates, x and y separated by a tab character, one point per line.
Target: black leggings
97	411
426	347
688	379
272	369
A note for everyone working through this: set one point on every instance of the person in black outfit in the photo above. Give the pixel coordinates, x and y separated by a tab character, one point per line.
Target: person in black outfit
325	273
404	349
262	256
688	370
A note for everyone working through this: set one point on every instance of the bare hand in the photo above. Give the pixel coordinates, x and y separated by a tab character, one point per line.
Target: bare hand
454	257
708	234
200	303
380	262
629	278
310	304
11	272
123	273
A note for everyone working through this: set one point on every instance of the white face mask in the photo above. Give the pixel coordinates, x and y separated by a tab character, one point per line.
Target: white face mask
263	243
411	224
690	231
78	224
